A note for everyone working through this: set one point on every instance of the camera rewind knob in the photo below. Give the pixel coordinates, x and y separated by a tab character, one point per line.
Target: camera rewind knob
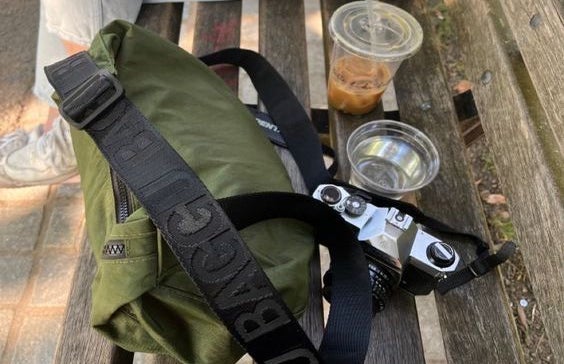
330	195
441	254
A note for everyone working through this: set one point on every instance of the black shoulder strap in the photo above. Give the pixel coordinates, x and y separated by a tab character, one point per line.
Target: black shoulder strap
303	143
203	239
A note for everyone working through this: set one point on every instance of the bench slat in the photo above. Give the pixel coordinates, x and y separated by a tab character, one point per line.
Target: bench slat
282	41
164	19
538	29
396	337
483	332
79	342
528	179
218	26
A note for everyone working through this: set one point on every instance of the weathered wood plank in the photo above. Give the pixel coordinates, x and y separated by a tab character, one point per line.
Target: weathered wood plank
143	358
527	179
164	19
484	332
282	40
79	342
395	332
538	29
218	26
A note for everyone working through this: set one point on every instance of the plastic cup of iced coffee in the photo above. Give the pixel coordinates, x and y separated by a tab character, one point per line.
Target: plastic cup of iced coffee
370	40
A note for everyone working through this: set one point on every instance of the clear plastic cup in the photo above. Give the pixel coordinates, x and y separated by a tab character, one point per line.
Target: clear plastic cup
367	52
391	158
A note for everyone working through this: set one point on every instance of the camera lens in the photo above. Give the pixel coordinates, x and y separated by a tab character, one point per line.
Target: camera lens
330	195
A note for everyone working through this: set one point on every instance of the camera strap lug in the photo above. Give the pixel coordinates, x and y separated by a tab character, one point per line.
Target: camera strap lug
477	268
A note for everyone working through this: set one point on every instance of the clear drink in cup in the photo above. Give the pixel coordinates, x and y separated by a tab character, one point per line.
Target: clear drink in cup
370	42
391	158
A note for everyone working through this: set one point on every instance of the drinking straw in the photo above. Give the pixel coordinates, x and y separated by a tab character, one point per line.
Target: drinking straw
374	23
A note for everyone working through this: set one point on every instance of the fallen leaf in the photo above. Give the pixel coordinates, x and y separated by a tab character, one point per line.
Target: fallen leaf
463	86
522	317
496	199
477	182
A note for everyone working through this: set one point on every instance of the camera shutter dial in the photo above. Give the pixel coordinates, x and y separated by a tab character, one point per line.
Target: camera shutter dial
355	206
441	254
330	195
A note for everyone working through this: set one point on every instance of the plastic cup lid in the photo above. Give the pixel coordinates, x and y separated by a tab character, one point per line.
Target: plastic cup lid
397	35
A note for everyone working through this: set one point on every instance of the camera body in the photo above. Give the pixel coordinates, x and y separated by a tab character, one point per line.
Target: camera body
398	251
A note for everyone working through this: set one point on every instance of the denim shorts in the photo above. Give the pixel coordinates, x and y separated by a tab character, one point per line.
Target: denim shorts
76	21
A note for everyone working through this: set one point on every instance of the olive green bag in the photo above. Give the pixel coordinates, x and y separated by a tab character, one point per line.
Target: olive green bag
141	298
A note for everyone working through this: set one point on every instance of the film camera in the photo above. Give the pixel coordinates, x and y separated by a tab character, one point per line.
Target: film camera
398	251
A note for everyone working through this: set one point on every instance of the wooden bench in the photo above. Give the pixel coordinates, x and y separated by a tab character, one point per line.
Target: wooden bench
514	60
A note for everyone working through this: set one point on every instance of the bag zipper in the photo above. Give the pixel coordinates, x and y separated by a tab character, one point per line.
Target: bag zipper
115	249
122	198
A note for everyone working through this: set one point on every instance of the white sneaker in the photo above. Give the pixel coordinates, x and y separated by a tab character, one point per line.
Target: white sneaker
18	139
37	158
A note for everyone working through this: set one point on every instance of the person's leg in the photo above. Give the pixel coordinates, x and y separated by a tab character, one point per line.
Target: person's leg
45	155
